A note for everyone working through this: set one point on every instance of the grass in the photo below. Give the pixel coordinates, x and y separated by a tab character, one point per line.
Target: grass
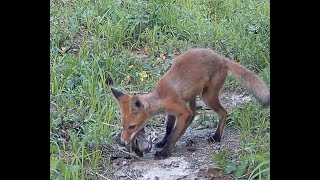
90	38
254	159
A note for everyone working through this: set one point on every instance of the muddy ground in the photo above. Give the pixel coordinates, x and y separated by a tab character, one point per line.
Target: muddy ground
192	156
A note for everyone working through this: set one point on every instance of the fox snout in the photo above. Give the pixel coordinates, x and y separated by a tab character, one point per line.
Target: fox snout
126	138
125	142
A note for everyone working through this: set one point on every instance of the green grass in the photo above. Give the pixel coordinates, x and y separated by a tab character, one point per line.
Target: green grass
254	159
106	34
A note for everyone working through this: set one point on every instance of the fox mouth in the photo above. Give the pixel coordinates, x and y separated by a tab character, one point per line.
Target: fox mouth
140	142
126	142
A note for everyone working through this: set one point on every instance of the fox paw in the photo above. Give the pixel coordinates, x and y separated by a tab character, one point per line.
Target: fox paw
160	155
138	152
160	144
214	138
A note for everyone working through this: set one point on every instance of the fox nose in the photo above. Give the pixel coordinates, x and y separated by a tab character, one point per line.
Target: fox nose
126	138
125	142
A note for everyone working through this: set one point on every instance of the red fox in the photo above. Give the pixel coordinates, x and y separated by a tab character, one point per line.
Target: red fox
198	71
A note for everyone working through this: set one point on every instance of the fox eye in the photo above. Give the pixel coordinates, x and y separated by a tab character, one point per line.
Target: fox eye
132	127
138	104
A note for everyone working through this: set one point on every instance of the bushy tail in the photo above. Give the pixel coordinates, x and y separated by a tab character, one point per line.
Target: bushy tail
251	81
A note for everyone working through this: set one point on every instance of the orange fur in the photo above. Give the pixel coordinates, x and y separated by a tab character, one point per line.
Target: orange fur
198	71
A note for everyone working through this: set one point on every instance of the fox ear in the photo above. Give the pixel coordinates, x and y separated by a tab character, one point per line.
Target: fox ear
137	104
116	93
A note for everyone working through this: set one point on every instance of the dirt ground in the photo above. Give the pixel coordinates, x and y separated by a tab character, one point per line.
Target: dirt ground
192	156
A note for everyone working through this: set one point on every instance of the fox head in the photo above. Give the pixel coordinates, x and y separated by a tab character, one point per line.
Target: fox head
134	114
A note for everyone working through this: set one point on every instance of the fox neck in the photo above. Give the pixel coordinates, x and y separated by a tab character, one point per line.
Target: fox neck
154	103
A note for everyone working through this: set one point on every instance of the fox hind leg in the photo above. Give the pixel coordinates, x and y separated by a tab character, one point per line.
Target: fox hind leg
210	97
